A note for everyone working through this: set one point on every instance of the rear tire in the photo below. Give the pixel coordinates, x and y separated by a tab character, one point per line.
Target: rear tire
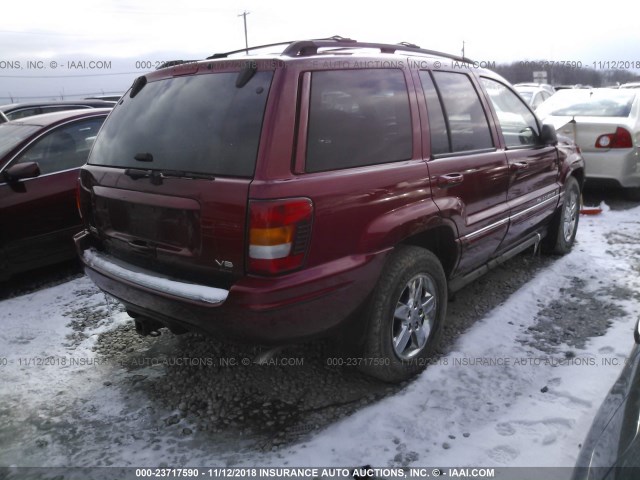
562	233
405	315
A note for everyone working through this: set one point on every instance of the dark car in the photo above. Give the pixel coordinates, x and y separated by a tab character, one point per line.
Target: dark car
611	450
16	111
337	184
39	161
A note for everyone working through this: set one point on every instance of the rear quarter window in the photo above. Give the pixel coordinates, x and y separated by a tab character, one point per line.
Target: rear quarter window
356	118
199	123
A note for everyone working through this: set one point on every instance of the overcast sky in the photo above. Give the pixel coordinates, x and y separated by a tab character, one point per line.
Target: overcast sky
125	32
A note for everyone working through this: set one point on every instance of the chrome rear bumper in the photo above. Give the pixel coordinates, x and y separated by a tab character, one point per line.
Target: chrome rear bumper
135	276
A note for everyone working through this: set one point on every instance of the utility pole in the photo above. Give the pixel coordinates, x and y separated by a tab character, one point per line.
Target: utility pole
246	41
462	48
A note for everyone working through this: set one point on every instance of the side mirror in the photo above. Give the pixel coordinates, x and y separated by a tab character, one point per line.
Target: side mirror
526	136
20	171
548	135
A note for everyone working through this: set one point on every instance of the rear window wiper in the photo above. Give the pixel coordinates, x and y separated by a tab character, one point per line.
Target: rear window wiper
183	174
137	173
144	157
157	175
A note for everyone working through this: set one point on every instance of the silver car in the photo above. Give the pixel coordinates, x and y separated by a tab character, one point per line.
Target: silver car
605	123
533	94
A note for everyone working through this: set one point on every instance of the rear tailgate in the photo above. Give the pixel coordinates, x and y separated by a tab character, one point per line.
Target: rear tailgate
190	228
169	174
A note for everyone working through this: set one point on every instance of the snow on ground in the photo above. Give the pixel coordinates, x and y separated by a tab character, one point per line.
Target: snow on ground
456	415
497	398
40	379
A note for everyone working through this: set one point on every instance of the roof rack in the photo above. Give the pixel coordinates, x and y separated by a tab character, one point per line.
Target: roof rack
226	54
303	48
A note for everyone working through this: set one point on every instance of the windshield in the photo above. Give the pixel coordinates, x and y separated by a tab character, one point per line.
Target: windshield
199	123
593	103
13	133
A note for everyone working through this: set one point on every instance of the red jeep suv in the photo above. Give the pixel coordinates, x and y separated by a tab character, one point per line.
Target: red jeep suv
272	197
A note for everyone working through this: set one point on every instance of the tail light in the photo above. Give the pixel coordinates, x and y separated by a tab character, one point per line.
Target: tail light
279	234
620	139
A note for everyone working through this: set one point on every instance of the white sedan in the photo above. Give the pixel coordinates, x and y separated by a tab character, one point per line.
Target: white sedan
605	123
534	94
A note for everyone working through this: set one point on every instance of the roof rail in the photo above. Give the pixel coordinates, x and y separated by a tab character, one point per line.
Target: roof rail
310	47
226	54
257	47
302	48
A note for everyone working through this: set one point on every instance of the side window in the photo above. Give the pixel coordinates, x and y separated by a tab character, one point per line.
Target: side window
64	148
60	108
518	124
24	112
357	117
465	117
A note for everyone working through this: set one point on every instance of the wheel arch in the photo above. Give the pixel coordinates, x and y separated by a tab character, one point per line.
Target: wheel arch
441	241
579	175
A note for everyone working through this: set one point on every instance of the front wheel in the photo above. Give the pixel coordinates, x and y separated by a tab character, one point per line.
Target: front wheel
562	233
405	315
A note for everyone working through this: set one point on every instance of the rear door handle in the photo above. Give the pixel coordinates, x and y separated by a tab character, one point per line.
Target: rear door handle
519	166
449	180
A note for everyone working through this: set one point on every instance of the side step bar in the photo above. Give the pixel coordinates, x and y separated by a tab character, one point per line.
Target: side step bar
460	282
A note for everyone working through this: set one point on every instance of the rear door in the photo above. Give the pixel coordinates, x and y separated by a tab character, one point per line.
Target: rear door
533	167
171	169
469	176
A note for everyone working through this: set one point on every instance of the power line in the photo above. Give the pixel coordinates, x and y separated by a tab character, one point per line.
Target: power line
75	76
246	41
49	33
20	97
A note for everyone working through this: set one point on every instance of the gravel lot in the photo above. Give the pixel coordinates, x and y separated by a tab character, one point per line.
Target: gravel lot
198	389
206	383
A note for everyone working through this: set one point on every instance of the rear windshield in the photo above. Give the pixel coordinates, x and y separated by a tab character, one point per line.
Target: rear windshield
200	124
589	103
526	94
13	133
